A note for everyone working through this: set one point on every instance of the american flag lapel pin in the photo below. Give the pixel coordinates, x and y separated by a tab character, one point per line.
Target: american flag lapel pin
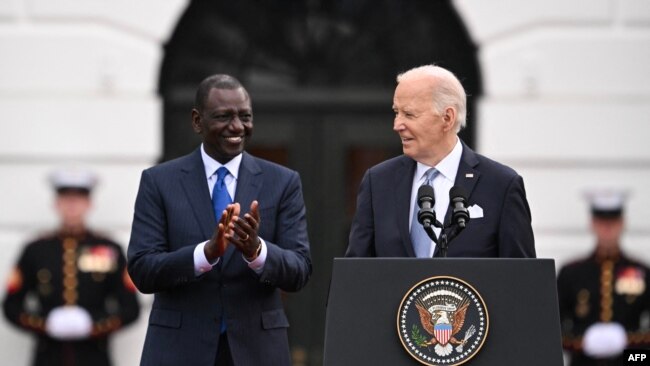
469	175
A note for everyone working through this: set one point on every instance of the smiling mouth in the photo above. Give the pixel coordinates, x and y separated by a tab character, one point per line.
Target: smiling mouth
235	139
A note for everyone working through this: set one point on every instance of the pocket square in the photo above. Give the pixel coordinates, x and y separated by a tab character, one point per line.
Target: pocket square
475	212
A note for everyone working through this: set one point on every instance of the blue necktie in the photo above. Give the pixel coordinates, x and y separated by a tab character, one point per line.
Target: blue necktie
220	196
221	199
419	238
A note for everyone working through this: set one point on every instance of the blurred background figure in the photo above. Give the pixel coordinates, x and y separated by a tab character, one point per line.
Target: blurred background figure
604	299
70	288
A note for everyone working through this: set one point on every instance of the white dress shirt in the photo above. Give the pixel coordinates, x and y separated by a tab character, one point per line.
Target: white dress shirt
201	264
442	183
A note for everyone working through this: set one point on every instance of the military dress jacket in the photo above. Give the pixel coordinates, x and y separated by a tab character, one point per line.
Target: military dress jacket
85	270
593	290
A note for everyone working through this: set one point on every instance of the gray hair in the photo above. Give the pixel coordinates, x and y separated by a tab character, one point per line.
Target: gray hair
447	92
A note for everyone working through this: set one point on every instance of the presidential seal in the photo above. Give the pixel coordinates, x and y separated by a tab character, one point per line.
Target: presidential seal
442	321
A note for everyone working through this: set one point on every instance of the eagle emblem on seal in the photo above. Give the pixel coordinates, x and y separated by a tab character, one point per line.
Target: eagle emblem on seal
442	315
442	321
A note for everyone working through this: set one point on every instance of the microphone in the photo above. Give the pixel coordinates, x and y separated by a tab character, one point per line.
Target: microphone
458	203
426	200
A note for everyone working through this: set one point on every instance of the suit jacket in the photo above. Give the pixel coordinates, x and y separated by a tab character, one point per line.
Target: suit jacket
381	223
173	213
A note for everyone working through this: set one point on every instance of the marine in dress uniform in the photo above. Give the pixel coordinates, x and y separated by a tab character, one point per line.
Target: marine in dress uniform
70	288
604	298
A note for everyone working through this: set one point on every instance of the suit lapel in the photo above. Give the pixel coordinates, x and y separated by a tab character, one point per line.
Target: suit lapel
403	184
466	177
196	190
249	185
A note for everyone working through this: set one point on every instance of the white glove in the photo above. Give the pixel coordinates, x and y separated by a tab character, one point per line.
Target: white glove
603	340
68	323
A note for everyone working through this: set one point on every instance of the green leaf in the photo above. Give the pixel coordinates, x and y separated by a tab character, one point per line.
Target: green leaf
418	338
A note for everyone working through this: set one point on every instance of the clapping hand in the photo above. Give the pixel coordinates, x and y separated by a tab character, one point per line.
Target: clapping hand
243	232
218	243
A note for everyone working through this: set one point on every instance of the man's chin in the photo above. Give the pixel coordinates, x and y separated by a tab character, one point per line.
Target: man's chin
231	153
225	155
408	152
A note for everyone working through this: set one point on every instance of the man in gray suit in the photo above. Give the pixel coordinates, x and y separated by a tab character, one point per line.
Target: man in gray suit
430	107
216	270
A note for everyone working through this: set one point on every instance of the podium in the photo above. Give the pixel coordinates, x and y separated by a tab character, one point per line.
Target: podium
520	298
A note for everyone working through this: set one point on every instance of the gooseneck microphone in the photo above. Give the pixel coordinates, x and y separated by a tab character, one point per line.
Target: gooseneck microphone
458	203
426	201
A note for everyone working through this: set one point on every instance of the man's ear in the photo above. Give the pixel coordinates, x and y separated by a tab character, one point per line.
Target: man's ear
196	121
449	118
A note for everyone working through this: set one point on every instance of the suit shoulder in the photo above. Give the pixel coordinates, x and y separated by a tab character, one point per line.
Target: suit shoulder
269	166
496	173
170	165
494	165
388	166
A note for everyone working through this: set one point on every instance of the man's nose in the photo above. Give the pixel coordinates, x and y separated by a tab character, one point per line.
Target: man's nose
398	125
236	124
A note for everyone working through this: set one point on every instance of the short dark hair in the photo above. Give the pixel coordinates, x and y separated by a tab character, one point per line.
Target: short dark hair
218	81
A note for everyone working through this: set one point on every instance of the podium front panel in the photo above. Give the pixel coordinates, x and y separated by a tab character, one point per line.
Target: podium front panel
520	296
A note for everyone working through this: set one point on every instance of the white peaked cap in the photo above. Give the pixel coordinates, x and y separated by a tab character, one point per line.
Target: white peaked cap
69	178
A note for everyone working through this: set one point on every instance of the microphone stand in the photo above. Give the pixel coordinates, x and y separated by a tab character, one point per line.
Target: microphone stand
458	220
429	230
448	233
444	244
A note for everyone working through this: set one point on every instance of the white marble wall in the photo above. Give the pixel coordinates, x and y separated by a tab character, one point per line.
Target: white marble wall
78	85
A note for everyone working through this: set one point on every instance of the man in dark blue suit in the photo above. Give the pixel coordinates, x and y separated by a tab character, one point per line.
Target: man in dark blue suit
217	274
430	108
